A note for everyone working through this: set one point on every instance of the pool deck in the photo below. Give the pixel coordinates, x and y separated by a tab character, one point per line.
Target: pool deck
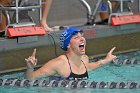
100	39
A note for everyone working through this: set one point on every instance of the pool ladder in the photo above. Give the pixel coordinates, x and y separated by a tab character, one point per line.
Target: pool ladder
91	15
16	7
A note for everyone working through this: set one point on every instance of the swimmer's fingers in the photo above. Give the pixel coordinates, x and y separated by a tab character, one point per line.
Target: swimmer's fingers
31	62
110	57
34	53
35	61
111	51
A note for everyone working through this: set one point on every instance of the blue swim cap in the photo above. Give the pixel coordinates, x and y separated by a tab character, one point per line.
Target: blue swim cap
66	36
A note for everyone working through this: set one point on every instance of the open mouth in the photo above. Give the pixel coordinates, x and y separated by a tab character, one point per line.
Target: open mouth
81	46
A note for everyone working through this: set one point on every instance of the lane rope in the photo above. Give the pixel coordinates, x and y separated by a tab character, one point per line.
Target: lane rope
69	84
126	61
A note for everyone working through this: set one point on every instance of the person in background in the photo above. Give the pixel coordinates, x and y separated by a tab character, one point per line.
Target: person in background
73	65
3	18
45	11
104	14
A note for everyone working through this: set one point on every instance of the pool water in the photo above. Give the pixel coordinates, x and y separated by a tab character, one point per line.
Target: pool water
108	73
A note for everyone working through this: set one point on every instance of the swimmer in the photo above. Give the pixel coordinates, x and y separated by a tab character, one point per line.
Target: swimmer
73	65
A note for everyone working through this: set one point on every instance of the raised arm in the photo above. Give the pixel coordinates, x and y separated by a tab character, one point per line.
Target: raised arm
109	57
31	61
46	70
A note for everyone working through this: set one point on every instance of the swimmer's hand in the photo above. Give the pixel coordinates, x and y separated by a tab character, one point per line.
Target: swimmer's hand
109	57
31	61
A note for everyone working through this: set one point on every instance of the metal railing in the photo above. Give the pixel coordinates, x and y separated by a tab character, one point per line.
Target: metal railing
18	8
91	15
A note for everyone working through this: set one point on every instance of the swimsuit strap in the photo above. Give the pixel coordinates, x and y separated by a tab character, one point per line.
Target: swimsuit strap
84	64
85	67
69	66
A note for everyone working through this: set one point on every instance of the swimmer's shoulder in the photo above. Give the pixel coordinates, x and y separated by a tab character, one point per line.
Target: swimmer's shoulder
59	60
85	58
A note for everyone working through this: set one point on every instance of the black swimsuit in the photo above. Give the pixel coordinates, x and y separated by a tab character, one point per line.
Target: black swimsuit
74	76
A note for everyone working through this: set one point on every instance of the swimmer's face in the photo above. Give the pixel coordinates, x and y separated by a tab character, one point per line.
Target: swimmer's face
78	43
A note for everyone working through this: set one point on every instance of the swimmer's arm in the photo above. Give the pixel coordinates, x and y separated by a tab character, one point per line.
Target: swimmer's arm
94	65
106	60
28	73
46	70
